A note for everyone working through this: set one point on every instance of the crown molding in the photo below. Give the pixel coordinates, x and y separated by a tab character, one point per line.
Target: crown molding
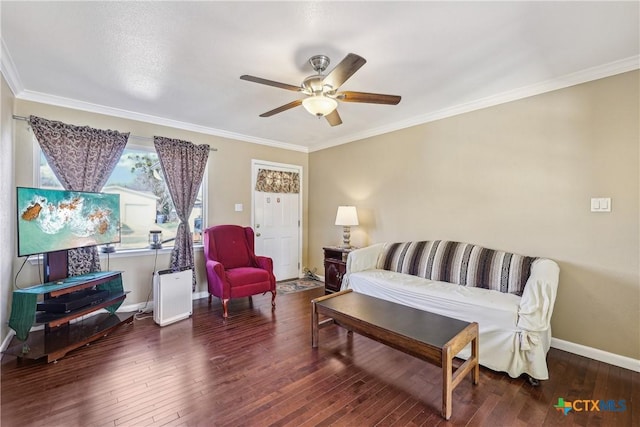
8	69
579	77
583	76
27	95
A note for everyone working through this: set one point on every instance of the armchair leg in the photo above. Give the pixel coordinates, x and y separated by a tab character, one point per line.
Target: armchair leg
225	308
209	299
273	298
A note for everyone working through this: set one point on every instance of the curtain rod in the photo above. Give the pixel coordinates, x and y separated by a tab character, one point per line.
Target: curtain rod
146	138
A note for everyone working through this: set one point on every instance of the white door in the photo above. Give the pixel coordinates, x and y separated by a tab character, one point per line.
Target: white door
276	223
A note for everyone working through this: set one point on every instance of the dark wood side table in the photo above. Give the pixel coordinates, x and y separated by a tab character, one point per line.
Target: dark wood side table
335	266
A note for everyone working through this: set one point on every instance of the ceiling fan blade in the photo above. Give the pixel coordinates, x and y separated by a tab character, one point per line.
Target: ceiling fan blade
334	118
282	108
370	98
345	69
270	83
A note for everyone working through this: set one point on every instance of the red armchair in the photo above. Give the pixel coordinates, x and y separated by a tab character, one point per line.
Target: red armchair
233	269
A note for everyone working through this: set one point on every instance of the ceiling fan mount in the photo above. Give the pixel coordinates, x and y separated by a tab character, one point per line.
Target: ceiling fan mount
319	63
320	90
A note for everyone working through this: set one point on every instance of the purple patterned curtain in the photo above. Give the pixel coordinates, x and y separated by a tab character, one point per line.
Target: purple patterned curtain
82	158
183	165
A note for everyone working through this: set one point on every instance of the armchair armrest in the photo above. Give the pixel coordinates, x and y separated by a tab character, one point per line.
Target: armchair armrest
266	263
215	267
216	278
360	260
539	296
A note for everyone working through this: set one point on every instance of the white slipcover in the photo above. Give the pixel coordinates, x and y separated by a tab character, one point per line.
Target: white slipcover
515	332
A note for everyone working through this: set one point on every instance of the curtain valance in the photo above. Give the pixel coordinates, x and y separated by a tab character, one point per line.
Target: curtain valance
82	158
273	181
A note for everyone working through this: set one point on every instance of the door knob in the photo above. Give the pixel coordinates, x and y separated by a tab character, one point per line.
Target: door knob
257	234
257	225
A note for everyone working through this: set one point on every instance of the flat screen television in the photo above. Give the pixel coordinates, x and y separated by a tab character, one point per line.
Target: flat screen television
58	220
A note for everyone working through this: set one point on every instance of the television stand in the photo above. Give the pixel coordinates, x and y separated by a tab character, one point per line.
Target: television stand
65	331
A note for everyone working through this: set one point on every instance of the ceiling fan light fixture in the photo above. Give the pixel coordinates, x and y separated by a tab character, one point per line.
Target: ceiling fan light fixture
319	105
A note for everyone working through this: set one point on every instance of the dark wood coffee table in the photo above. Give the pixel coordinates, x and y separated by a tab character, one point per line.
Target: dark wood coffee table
428	336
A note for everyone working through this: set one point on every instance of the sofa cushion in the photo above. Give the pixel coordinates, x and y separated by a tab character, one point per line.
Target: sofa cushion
492	310
459	263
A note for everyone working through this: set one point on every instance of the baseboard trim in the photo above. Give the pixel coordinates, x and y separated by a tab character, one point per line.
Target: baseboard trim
147	306
7	340
579	349
199	295
596	354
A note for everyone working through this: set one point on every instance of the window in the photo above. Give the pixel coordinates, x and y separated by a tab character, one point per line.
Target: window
145	203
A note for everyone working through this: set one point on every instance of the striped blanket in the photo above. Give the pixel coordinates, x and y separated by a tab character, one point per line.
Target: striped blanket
460	263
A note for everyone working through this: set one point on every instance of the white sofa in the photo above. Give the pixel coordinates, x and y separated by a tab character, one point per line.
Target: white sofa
509	295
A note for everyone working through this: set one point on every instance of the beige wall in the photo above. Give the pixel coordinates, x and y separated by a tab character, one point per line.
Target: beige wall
229	182
7	220
516	177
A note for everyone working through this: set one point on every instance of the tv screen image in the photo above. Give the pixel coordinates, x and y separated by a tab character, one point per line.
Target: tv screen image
55	220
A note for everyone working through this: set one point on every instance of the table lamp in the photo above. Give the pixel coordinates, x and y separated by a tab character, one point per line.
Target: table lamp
346	216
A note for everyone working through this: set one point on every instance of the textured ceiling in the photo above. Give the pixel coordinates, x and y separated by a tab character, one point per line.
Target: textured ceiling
179	63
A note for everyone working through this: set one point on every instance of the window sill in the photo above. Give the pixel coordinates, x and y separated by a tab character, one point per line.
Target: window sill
37	260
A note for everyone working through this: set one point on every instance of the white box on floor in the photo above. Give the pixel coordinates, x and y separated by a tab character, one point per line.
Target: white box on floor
172	295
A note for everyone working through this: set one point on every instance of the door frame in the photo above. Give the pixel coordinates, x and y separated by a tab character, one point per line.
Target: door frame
255	165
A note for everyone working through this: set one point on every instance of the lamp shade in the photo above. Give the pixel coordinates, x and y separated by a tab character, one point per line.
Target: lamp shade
347	215
319	105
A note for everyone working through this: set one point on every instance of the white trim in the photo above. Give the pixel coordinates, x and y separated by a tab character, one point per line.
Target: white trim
579	77
8	69
60	101
147	306
287	168
7	341
596	354
579	349
583	76
123	253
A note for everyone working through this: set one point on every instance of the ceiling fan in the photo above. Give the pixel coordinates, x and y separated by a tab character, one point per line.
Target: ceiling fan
321	90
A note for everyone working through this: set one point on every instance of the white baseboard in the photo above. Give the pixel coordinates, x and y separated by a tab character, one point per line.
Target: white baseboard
7	340
579	349
198	295
149	305
596	354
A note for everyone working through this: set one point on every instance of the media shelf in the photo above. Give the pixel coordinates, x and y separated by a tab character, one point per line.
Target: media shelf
65	331
53	320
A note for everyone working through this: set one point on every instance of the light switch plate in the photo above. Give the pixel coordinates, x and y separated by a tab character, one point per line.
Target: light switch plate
239	207
601	204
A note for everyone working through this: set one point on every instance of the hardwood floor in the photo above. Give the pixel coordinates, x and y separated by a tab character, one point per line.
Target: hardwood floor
258	368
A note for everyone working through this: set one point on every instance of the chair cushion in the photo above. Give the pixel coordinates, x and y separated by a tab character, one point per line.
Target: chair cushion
246	275
234	252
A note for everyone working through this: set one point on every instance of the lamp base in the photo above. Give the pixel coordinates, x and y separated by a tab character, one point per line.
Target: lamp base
346	237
